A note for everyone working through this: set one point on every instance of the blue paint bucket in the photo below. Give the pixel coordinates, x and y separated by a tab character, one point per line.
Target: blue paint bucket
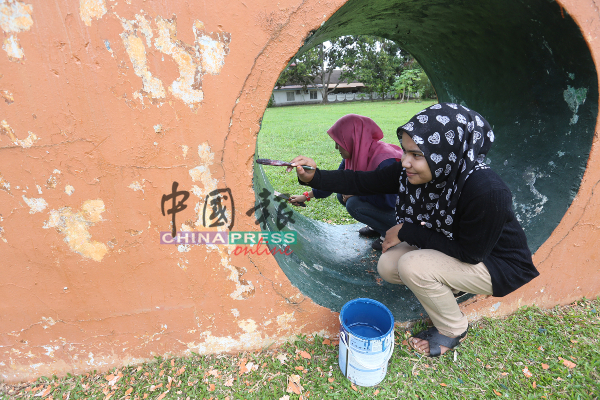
366	341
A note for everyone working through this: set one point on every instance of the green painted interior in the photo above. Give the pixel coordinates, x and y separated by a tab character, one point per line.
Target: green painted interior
524	65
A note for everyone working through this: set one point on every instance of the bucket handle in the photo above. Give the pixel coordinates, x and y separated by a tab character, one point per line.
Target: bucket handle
348	350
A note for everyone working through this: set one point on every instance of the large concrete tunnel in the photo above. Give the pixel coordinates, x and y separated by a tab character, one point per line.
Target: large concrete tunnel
525	66
105	104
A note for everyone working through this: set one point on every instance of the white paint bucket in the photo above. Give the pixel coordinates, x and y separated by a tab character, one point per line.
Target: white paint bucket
366	341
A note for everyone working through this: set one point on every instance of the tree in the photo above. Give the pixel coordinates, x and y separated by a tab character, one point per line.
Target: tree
413	80
375	62
315	66
380	64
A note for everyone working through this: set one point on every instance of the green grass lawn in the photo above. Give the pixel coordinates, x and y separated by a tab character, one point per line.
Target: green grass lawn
532	354
302	130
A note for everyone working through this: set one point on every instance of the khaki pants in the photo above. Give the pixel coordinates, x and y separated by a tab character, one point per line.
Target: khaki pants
434	278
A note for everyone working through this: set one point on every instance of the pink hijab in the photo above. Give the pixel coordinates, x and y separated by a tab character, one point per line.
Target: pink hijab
360	136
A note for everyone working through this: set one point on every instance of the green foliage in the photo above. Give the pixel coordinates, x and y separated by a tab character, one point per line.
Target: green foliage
376	62
414	80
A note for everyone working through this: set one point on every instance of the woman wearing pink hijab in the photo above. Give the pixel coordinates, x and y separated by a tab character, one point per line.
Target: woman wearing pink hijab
358	139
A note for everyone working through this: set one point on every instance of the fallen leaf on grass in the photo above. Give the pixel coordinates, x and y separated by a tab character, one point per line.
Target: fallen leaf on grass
282	358
527	373
443	384
229	382
376	392
294	384
534	384
497	393
211	387
304	354
214	373
569	364
330	380
45	392
299	368
162	396
405	342
545	366
286	397
353	387
128	392
504	373
242	365
327	342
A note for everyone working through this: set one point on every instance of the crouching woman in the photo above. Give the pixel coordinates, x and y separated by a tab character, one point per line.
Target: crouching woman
456	230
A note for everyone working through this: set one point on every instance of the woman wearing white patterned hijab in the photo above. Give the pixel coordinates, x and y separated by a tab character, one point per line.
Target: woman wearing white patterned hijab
456	230
454	141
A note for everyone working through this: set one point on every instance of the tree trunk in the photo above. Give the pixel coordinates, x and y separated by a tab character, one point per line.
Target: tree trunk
325	86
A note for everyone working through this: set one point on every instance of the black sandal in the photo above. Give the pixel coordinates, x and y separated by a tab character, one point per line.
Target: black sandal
436	339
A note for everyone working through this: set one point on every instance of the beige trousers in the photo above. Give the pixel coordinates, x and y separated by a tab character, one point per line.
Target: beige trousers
434	278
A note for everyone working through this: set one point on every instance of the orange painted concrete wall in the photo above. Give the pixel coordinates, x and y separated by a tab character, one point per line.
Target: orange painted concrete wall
103	105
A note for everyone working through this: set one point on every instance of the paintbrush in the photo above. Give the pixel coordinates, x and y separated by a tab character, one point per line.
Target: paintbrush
278	163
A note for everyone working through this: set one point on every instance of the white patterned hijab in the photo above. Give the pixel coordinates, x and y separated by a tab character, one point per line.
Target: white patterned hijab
454	141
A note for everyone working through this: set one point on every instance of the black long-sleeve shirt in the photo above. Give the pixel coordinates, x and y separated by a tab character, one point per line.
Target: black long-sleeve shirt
485	228
381	201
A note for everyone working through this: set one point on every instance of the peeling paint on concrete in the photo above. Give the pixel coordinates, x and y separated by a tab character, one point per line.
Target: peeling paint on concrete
4	184
7	96
574	98
13	48
202	174
91	9
35	205
69	189
246	341
74	226
248	325
205	56
152	87
15	17
495	307
137	186
213	51
187	86
531	210
5	129
184	150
